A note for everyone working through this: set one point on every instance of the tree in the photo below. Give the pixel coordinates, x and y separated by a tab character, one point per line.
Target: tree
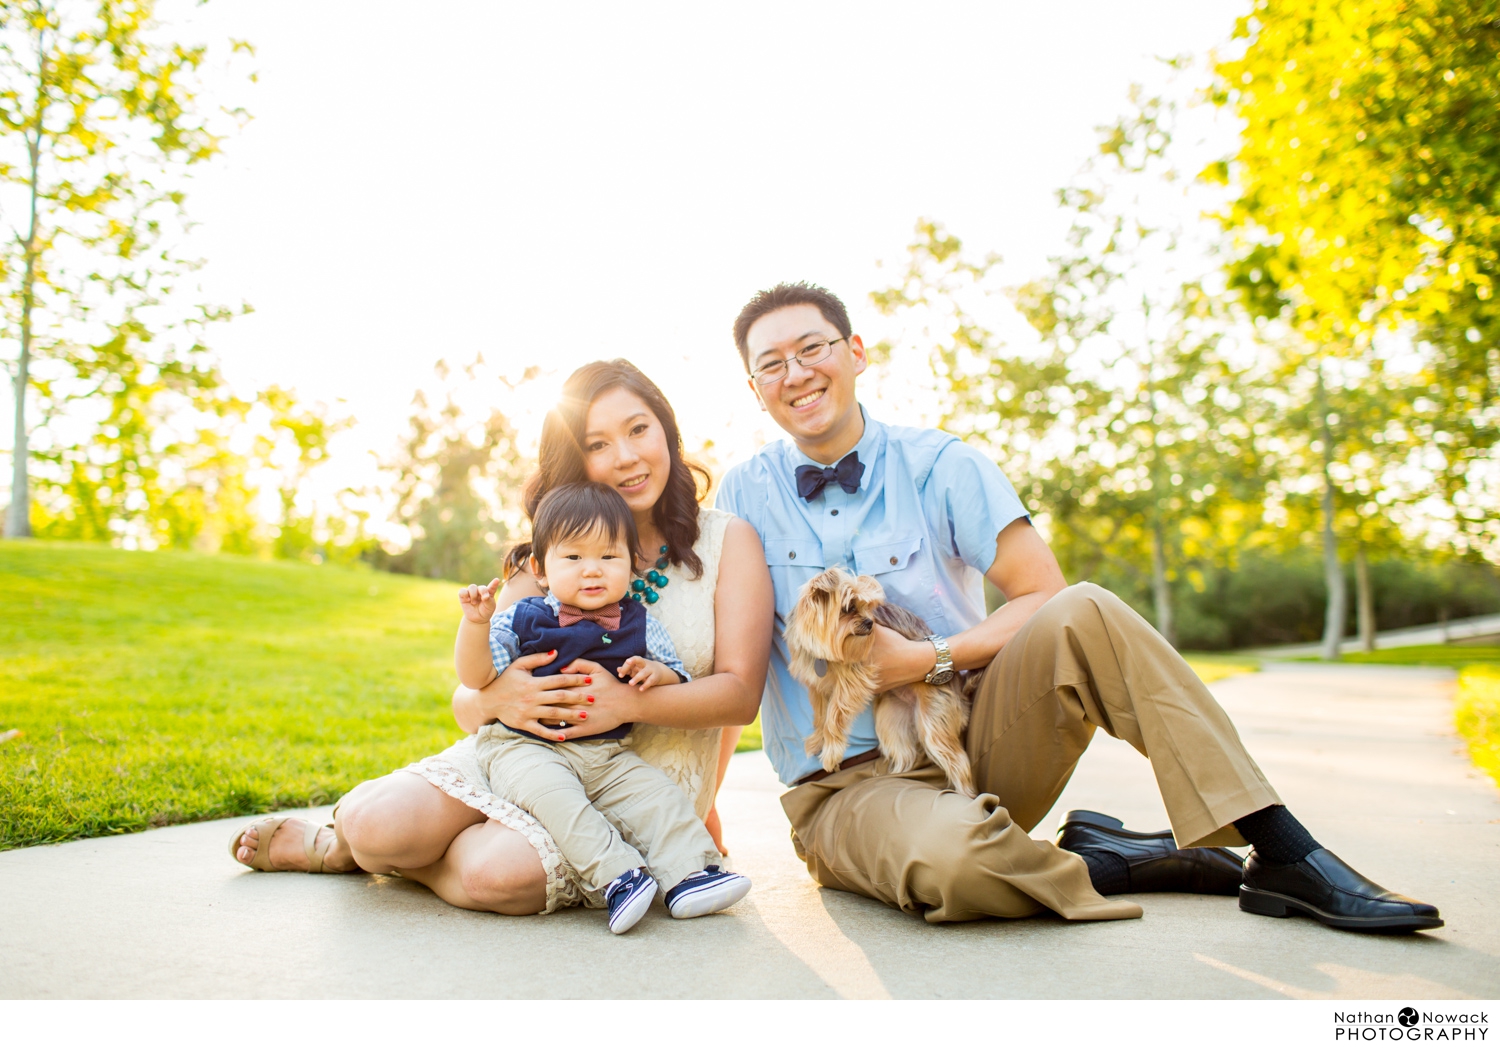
99	116
1133	422
292	445
1368	179
458	488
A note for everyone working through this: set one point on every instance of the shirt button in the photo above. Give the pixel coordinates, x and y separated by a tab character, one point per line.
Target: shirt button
834	512
791	554
893	561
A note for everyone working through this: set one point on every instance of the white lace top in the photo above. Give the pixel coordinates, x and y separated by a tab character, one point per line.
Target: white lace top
688	756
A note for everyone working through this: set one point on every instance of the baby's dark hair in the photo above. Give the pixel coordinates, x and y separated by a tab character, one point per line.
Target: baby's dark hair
579	509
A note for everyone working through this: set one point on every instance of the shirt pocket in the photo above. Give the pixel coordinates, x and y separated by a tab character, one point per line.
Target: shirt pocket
887	556
794	553
793	562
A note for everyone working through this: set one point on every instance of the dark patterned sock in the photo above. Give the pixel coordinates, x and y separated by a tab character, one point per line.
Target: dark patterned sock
1107	871
1278	837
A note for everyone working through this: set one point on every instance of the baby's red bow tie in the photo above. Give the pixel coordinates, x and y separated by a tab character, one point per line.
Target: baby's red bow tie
607	617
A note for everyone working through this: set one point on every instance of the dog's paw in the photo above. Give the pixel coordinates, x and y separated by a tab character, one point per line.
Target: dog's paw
814	743
832	756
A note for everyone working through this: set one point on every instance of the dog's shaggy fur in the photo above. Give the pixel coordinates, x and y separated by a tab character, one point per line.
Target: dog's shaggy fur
829	635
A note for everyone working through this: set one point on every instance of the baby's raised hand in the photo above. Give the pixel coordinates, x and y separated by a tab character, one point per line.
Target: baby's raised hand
479	602
644	673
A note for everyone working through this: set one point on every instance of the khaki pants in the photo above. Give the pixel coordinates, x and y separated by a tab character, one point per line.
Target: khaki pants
608	809
1084	661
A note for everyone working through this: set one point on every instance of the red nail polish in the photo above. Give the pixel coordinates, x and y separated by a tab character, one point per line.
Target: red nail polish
588	681
582	715
590	699
562	738
552	653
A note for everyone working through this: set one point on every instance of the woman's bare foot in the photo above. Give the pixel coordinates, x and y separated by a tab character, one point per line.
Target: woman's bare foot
287	853
715	829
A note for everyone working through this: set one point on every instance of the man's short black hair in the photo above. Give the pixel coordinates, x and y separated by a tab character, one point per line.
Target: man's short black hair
799	294
581	509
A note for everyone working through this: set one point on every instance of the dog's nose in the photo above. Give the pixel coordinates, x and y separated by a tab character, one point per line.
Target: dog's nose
865	626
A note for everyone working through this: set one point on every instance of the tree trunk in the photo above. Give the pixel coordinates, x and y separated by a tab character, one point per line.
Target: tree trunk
1333	570
1160	592
18	516
1364	601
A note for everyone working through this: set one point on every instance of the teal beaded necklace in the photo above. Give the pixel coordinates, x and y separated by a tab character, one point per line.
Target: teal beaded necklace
641	590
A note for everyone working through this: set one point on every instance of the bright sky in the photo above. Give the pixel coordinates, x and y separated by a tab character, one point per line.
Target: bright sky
549	184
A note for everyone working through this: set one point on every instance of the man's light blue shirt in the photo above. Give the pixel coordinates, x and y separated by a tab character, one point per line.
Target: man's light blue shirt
923	522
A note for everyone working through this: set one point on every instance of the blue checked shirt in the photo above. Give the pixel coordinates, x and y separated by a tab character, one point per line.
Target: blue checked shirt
923	522
505	646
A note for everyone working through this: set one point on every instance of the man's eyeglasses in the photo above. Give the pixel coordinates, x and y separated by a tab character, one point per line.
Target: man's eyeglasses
811	354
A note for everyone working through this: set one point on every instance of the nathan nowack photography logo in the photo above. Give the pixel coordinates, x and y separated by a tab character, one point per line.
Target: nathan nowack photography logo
1411	1025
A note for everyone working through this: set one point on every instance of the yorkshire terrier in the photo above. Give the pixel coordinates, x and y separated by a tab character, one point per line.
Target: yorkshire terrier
829	634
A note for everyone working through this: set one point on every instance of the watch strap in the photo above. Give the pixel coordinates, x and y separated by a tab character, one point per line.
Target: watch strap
943	668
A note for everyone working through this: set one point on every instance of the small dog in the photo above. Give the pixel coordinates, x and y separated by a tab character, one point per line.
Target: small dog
829	635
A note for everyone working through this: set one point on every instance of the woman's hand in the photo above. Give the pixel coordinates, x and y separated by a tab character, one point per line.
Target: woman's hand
519	701
612	702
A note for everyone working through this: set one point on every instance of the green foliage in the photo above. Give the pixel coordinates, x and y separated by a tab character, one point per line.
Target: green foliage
1275	595
307	532
158	687
458	487
1133	431
100	118
1369	177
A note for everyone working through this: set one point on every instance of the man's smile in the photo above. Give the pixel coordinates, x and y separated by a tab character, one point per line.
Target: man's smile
808	398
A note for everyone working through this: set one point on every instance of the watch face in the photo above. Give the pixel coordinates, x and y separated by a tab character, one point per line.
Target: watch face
941	677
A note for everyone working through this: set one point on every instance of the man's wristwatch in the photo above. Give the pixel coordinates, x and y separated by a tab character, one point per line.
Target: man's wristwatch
942	673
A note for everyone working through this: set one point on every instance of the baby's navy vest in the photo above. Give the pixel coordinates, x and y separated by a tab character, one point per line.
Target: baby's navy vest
536	626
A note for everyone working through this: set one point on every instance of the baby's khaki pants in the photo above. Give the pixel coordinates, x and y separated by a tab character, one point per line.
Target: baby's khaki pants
608	809
1084	661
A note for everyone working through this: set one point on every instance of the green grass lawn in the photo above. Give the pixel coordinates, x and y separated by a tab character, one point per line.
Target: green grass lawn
156	688
1426	656
749	737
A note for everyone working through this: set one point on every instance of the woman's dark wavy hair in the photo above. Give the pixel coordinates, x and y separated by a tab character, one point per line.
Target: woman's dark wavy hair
560	460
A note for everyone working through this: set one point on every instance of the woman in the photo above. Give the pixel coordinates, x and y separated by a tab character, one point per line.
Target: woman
436	821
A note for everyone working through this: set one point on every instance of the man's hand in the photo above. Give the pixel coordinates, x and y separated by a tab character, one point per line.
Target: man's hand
644	673
479	602
898	660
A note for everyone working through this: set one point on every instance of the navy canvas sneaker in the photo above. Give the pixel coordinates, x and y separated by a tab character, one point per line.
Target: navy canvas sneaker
629	897
705	892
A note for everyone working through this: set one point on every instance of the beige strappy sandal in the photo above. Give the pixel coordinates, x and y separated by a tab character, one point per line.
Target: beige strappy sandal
266	827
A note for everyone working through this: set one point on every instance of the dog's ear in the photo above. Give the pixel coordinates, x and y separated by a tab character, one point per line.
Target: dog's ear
813	626
867	590
829	580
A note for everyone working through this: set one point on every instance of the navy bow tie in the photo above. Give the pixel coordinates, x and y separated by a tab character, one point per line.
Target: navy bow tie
810	480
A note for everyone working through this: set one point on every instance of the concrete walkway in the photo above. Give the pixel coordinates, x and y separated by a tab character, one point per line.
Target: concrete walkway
1366	756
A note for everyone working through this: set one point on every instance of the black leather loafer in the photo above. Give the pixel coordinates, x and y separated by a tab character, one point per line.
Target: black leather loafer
1324	887
1156	864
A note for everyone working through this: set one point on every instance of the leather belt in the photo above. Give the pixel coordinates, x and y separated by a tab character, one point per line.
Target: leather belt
848	763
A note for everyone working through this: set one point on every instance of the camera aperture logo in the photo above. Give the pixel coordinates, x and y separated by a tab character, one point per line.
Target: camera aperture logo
1409	1025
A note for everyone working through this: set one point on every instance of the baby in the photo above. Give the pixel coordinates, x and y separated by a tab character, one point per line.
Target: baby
587	790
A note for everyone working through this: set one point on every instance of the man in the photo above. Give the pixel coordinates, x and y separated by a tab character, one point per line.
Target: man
930	518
